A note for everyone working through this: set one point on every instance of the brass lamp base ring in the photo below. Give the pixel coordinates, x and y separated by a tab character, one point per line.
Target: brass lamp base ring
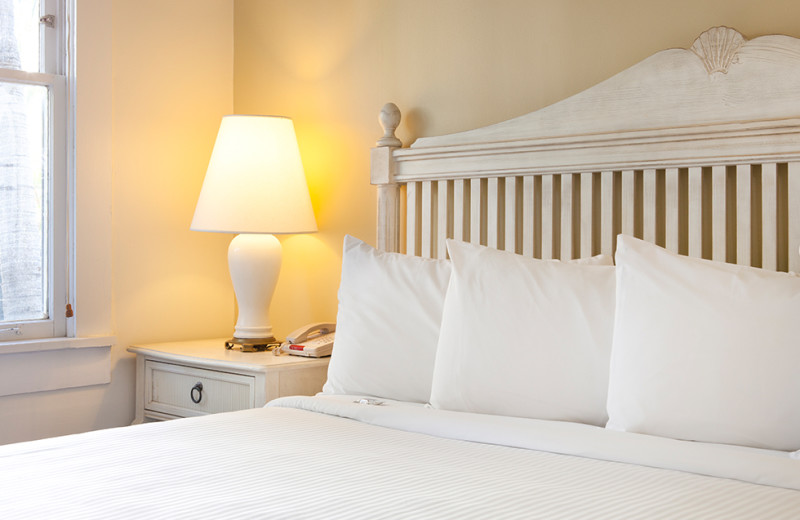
252	344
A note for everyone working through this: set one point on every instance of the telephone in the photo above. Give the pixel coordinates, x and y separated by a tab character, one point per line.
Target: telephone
312	340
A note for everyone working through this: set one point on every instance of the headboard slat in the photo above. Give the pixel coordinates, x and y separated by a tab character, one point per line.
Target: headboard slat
512	218
428	218
566	218
413	215
719	182
695	213
589	223
495	198
743	214
769	216
673	209
530	204
477	215
461	209
651	217
444	215
550	229
628	202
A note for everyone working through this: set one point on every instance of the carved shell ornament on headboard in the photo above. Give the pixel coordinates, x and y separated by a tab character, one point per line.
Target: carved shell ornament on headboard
717	48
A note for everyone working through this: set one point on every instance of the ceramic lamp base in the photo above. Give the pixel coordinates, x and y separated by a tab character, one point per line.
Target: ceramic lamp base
254	261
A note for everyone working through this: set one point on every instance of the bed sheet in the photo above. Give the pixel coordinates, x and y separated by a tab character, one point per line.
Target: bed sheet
288	462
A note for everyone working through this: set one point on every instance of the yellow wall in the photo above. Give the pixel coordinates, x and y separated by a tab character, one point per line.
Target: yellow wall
450	65
172	83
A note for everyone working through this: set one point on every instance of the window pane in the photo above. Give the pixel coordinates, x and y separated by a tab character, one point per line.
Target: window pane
23	201
19	35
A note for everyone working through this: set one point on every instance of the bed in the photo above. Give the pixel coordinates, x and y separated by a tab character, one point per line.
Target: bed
490	362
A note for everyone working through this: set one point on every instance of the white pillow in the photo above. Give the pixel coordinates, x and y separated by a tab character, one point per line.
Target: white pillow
704	350
390	308
524	337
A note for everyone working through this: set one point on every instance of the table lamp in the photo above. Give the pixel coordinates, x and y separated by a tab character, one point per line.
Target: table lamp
254	186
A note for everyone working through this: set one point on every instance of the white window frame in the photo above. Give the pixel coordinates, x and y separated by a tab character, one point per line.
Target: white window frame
58	61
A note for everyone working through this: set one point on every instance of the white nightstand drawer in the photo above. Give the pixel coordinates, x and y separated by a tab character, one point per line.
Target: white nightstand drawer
170	389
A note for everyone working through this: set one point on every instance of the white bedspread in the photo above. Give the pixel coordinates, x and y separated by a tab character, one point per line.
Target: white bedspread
284	462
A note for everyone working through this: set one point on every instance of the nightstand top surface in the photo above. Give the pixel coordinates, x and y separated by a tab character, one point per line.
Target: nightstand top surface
213	351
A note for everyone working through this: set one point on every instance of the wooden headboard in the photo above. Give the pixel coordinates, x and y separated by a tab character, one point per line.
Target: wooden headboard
696	150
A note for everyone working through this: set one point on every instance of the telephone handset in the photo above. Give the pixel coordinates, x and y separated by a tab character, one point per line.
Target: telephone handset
313	340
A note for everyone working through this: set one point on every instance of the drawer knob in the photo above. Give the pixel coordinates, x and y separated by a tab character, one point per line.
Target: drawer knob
198	387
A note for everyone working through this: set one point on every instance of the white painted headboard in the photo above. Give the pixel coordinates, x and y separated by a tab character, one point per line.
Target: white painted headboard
696	150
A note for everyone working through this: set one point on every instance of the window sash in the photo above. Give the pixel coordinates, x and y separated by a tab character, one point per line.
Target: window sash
55	61
54	48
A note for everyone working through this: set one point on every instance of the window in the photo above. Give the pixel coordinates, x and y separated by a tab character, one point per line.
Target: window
34	160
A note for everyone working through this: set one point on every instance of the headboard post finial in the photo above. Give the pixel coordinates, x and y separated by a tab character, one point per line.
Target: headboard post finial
390	120
382	169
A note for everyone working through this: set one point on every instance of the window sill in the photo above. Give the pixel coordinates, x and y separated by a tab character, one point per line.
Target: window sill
44	345
54	364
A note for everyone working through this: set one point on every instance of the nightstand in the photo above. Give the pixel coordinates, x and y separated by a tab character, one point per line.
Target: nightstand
189	378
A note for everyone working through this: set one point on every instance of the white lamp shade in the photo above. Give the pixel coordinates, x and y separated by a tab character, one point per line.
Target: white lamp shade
255	181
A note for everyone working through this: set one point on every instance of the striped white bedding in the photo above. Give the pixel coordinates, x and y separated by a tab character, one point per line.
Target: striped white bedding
285	462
